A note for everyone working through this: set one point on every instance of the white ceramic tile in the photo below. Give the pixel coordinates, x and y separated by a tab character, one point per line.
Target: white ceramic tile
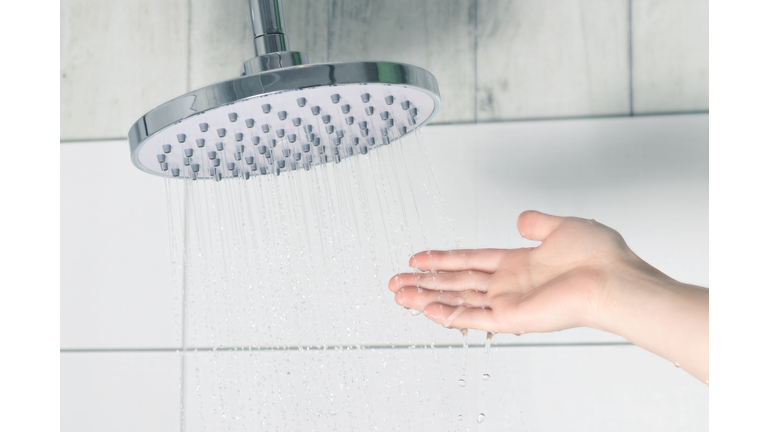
437	35
670	55
116	286
118	61
547	388
222	39
590	389
129	391
552	59
645	177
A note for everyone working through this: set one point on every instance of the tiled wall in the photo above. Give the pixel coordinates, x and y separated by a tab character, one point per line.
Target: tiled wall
495	60
645	176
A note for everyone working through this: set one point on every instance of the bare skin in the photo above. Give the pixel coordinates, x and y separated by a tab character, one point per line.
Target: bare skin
583	274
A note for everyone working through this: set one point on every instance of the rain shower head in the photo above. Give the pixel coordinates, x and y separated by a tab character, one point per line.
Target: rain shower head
282	113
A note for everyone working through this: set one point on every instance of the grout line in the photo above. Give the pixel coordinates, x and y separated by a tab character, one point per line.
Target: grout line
588	117
80	140
343	347
517	120
631	77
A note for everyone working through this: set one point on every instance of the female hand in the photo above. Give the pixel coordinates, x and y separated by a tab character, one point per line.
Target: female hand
583	274
557	285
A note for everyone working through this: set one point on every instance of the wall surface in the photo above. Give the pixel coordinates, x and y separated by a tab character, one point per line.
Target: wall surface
647	177
593	108
495	60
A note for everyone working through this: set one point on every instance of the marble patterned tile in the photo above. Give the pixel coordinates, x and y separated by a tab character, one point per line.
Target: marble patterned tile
552	59
437	35
118	61
670	56
221	38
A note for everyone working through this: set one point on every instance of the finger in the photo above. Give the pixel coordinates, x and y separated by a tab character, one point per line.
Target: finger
414	298
462	317
537	226
450	281
484	260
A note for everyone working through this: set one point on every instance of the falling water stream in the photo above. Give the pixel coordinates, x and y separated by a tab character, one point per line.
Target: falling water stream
283	282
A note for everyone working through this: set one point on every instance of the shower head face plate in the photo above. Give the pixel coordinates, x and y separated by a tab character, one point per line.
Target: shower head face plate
330	119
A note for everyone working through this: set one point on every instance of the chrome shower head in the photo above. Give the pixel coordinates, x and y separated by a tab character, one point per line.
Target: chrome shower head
280	109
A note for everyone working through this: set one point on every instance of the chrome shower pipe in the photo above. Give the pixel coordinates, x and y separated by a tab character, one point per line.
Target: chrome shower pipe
270	43
268	26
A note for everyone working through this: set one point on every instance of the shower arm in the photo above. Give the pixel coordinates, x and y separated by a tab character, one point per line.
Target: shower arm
270	43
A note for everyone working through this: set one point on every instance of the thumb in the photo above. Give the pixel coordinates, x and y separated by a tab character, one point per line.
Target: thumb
537	226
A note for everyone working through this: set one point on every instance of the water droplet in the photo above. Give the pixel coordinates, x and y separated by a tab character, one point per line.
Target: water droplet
415	312
480	417
461	417
486	376
462	383
677	365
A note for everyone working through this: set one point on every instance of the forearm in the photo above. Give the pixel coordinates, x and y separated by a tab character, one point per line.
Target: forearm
659	314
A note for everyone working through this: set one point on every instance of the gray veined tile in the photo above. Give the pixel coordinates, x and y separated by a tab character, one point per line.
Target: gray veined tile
118	61
437	35
306	22
552	59
221	37
670	55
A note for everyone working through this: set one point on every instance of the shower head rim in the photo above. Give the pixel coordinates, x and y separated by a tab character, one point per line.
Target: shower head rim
345	74
279	80
135	150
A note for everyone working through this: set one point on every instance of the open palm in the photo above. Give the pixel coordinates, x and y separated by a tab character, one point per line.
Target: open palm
557	285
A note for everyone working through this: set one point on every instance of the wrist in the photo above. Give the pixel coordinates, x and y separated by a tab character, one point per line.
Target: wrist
631	289
657	313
